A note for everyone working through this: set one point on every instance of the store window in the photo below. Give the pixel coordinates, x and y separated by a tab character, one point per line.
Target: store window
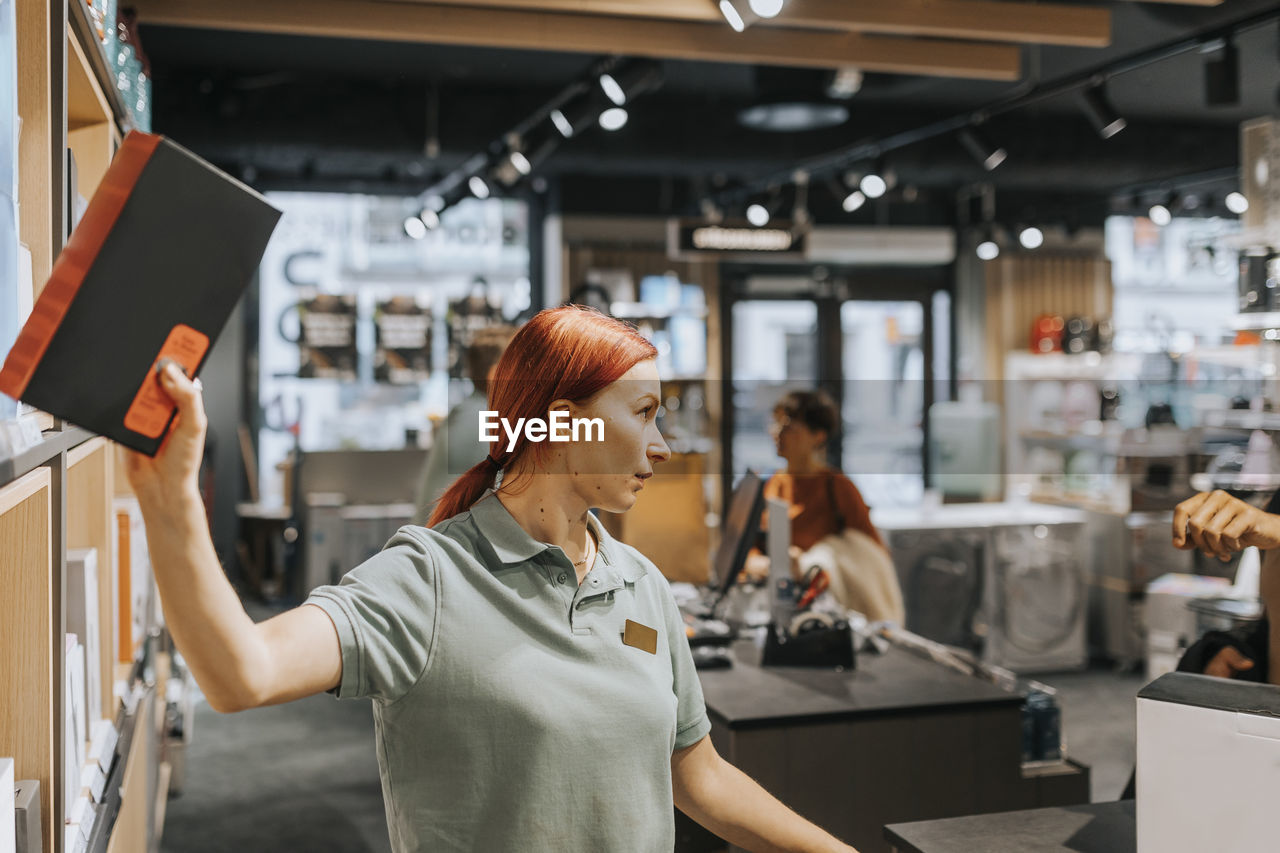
362	320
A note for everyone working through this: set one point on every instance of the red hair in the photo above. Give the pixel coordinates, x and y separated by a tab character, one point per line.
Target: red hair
565	353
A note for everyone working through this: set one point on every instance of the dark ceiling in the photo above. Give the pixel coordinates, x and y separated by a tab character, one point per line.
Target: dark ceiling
339	114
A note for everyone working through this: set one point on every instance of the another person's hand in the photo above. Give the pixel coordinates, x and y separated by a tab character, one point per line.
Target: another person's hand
1220	525
1227	662
756	569
176	466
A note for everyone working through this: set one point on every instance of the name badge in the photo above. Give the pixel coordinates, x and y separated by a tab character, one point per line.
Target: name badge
641	637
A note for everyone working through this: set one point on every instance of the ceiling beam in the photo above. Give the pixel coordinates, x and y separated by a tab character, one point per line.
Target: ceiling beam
412	22
984	20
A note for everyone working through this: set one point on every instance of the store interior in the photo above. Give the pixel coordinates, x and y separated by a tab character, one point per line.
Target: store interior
1028	252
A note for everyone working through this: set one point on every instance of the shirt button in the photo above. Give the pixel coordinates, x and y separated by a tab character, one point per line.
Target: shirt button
595	581
563	577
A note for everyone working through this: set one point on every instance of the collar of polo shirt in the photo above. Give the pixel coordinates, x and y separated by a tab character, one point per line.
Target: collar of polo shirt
513	544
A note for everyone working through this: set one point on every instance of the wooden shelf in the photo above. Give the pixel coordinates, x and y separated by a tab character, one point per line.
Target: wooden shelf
33	457
81	29
28	671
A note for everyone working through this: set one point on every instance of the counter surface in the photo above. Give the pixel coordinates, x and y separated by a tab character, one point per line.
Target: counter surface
895	682
1096	828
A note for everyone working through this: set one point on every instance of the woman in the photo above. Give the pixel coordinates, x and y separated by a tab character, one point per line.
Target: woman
823	501
532	686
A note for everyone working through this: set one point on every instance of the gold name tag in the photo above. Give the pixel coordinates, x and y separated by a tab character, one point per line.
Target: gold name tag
640	636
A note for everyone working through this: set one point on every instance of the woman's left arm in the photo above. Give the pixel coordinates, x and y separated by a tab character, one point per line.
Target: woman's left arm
729	803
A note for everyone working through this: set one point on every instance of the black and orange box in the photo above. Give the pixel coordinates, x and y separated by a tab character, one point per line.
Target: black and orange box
164	251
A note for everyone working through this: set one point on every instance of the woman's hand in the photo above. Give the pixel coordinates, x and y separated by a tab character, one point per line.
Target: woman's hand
756	569
1220	525
176	466
1227	663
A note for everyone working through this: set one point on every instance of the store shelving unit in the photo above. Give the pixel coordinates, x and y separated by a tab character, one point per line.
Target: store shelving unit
58	493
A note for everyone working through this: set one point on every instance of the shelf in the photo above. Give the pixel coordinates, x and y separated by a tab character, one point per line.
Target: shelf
1242	419
96	62
644	311
1259	321
33	457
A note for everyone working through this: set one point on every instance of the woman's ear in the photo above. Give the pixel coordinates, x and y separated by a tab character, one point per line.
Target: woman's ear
562	406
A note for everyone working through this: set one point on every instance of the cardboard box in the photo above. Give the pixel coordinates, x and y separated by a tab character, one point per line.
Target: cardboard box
26	804
82	620
1208	765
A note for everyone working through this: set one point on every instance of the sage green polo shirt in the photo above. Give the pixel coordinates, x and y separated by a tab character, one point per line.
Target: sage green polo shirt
510	715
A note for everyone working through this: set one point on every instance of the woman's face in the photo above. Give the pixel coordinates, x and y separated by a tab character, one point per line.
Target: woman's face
793	439
610	474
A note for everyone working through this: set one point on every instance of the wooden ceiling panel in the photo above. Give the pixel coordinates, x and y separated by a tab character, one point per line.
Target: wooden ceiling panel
487	27
983	20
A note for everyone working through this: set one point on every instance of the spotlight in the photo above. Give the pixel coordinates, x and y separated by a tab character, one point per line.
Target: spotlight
853	201
479	187
1031	237
1222	78
1101	114
1236	203
988	155
614	118
519	162
732	15
573	117
873	184
758	214
434	202
988	249
766	8
844	83
414	228
429	218
633	80
1160	214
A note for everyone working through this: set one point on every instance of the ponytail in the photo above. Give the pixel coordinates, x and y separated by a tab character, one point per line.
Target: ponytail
465	490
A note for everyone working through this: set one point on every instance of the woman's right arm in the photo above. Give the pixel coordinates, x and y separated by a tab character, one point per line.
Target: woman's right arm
238	664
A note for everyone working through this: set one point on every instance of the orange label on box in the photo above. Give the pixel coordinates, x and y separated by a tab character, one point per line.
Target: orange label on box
152	408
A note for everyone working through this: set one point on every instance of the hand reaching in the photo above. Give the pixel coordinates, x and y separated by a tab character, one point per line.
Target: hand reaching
1220	525
176	466
1227	663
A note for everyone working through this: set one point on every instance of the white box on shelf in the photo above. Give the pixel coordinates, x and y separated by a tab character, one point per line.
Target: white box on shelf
8	826
73	744
82	620
102	744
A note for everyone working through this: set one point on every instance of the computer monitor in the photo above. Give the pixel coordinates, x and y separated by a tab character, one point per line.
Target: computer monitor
741	531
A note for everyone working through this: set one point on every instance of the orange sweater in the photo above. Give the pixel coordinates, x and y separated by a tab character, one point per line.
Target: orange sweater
812	516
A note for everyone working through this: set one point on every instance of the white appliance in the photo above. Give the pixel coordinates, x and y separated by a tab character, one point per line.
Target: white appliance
1007	580
1208	765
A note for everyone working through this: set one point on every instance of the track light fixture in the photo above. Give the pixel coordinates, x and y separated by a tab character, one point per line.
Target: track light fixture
767	8
988	249
1222	77
414	228
1101	114
1236	203
614	118
429	218
737	13
573	117
988	155
874	183
520	162
758	215
479	187
637	77
1031	237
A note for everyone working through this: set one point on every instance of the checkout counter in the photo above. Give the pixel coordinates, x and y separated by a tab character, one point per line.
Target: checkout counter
1208	770
898	738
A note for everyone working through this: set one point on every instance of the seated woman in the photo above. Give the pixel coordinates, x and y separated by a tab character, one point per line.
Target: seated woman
831	527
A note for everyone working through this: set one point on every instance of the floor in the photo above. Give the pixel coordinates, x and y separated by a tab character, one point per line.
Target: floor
303	776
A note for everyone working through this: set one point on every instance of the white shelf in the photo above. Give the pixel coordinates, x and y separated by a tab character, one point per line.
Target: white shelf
1258	321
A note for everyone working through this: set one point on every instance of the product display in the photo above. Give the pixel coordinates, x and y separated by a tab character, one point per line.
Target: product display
402	334
82	620
327	337
160	213
26	803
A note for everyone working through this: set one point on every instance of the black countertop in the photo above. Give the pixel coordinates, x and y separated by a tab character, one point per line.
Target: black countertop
895	682
1096	828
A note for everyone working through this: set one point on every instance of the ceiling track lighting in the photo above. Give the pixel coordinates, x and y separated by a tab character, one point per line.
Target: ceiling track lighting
573	117
738	14
873	184
479	187
623	85
1222	77
614	118
429	218
766	8
981	148
987	249
1031	237
1101	114
1237	203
